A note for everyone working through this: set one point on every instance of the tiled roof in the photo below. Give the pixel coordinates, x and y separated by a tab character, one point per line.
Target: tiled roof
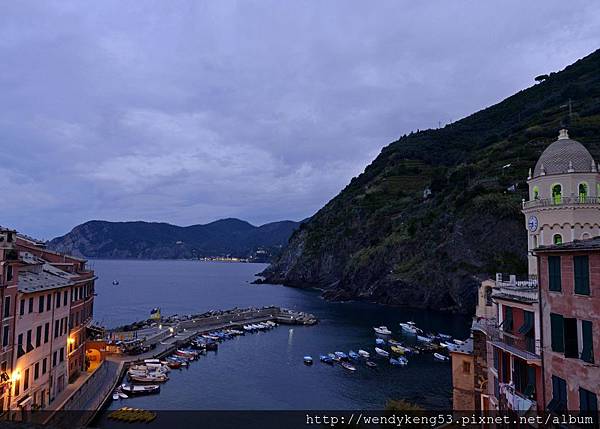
466	348
589	244
49	278
560	155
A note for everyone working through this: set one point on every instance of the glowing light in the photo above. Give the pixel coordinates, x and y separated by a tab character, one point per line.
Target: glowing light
16	376
171	329
71	340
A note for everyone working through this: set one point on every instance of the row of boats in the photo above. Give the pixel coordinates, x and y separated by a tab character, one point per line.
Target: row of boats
145	377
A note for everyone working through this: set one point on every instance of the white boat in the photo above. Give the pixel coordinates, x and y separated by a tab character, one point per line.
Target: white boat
445	336
382	330
140	390
364	353
115	396
122	395
440	357
424	339
409	327
381	352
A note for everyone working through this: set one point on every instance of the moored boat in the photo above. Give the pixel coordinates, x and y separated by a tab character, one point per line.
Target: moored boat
424	339
371	364
348	366
308	360
353	355
133	390
341	355
364	353
381	352
409	327
382	330
326	359
148	378
398	349
440	357
379	341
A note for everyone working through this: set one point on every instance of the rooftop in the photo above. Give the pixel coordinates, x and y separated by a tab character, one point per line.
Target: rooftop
465	348
589	244
48	278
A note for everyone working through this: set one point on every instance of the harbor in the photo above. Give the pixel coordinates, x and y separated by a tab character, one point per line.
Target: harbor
143	353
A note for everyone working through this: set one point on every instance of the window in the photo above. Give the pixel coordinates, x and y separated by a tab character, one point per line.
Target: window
7	306
22	308
495	353
588	402
524	377
508	319
30	305
557	194
488	297
5	336
557	332
62	327
20	351
41	304
54	359
57	300
46	332
65	297
554	274
17	387
570	335
9	273
26	380
466	367
29	341
49	302
36	371
62	354
587	352
583	192
44	366
581	267
496	388
56	326
559	395
527	330
536	193
505	376
557	239
38	336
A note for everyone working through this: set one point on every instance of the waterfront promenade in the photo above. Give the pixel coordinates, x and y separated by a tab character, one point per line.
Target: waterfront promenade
83	399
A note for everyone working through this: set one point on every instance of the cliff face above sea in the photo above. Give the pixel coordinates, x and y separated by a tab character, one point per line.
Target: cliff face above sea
439	210
147	240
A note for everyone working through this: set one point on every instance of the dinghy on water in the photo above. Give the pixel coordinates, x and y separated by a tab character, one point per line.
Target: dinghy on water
353	355
348	366
326	359
140	390
440	357
364	353
371	364
308	360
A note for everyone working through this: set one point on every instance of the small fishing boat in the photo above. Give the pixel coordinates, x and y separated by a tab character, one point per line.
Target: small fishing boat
371	364
382	330
353	355
115	396
341	355
348	366
173	364
393	342
133	390
381	352
326	359
440	357
409	327
364	353
379	341
122	395
333	357
308	360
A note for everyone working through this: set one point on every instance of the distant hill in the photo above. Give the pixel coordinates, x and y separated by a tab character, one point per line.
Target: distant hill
383	239
149	240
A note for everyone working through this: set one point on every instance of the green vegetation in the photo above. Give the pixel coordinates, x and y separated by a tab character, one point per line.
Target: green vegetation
380	239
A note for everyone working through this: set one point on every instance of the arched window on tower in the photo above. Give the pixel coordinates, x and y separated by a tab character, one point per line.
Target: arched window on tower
536	193
557	194
557	239
583	192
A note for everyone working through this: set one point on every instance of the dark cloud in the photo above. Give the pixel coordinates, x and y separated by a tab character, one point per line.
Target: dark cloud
188	111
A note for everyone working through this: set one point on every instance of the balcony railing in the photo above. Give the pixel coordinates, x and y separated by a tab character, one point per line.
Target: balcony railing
522	345
561	201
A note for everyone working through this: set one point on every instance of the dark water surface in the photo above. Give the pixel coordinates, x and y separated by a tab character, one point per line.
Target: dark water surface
264	371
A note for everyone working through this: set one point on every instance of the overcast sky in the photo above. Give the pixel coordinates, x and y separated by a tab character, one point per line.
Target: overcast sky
186	112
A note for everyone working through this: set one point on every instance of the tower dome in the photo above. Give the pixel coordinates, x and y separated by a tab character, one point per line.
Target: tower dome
564	156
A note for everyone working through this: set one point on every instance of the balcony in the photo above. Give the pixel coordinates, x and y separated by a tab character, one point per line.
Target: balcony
562	201
517	344
516	400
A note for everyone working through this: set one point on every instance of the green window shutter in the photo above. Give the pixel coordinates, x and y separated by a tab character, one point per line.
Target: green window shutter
554	273
587	353
508	320
582	275
557	332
